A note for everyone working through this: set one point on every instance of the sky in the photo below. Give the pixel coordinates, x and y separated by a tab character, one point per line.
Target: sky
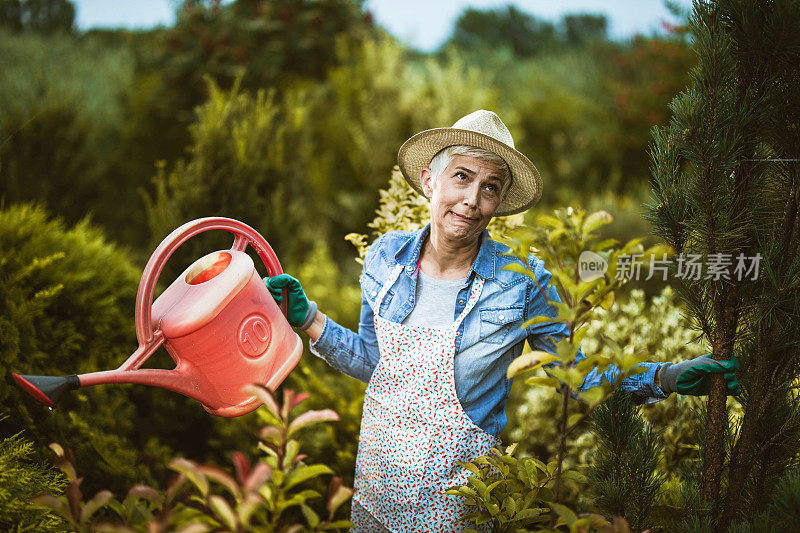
422	24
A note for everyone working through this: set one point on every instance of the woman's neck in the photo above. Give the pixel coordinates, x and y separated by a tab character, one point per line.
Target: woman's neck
445	259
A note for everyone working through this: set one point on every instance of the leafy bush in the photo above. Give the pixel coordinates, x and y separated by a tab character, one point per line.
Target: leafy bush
258	497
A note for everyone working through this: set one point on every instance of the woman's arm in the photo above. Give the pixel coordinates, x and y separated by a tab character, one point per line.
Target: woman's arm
645	386
315	329
353	354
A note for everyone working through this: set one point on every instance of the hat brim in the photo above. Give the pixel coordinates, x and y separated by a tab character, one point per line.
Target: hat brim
417	152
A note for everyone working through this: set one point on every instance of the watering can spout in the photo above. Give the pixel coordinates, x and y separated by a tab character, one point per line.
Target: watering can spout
47	389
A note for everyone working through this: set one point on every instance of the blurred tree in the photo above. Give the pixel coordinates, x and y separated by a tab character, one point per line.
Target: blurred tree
41	16
270	42
641	78
508	26
584	28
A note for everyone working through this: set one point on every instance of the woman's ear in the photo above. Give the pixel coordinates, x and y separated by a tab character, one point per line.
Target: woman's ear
426	181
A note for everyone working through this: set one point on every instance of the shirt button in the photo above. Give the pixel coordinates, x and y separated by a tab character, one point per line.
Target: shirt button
410	269
458	333
461	302
501	317
374	293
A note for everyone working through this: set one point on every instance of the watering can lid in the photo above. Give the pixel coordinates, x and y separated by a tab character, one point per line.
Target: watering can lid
184	308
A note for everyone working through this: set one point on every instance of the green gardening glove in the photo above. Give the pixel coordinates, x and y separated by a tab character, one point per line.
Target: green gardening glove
300	311
693	377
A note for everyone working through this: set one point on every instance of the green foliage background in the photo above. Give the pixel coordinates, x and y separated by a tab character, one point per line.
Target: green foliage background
109	139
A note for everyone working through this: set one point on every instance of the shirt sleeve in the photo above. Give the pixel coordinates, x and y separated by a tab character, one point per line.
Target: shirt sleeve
353	354
543	337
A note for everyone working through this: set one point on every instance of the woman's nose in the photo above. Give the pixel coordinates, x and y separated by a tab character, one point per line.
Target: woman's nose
471	196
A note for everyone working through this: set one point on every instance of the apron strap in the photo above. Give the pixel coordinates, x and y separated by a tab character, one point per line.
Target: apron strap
388	285
475	292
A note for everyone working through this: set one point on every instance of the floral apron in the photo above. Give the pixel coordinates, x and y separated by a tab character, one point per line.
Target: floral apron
413	429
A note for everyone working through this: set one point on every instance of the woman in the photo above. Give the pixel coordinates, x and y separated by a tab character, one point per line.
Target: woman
440	323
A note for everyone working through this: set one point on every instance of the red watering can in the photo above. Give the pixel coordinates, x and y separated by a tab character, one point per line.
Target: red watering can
218	321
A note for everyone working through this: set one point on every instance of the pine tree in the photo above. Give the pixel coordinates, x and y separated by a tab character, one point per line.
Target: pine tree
22	477
623	473
726	186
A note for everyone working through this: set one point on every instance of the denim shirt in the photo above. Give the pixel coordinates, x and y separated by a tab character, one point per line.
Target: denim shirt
489	338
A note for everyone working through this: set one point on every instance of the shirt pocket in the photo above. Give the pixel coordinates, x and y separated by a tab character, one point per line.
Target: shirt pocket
496	322
371	290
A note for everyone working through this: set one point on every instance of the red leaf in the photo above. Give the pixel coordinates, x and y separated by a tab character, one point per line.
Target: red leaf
74	497
148	493
311	417
260	475
241	466
298	399
265	395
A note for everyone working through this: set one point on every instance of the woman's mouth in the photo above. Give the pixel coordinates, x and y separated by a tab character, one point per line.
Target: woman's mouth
462	217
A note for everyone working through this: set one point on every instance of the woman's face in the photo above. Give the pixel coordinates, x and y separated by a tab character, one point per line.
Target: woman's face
464	198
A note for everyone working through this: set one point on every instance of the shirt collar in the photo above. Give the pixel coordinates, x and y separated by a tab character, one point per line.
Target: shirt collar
484	264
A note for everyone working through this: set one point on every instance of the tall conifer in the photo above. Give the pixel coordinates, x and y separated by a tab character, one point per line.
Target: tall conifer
726	185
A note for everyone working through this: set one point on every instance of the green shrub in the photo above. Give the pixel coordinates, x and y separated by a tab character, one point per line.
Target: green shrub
66	306
22	476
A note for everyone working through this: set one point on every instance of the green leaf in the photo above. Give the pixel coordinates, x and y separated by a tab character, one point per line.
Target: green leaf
494	485
519	268
292	448
192	473
92	506
479	485
574	476
303	473
337	525
311	517
540	319
510	506
573	419
473	468
606	243
593	396
541	381
340	495
608	301
223	511
529	361
56	504
567	514
595	220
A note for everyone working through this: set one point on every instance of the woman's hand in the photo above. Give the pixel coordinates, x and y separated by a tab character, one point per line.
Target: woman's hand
300	310
693	377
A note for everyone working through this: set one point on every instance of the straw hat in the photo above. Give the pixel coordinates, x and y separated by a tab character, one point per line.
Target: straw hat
483	129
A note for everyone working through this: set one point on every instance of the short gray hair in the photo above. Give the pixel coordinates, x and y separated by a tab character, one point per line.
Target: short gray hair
445	156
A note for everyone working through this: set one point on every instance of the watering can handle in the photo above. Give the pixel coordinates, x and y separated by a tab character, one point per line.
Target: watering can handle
244	235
